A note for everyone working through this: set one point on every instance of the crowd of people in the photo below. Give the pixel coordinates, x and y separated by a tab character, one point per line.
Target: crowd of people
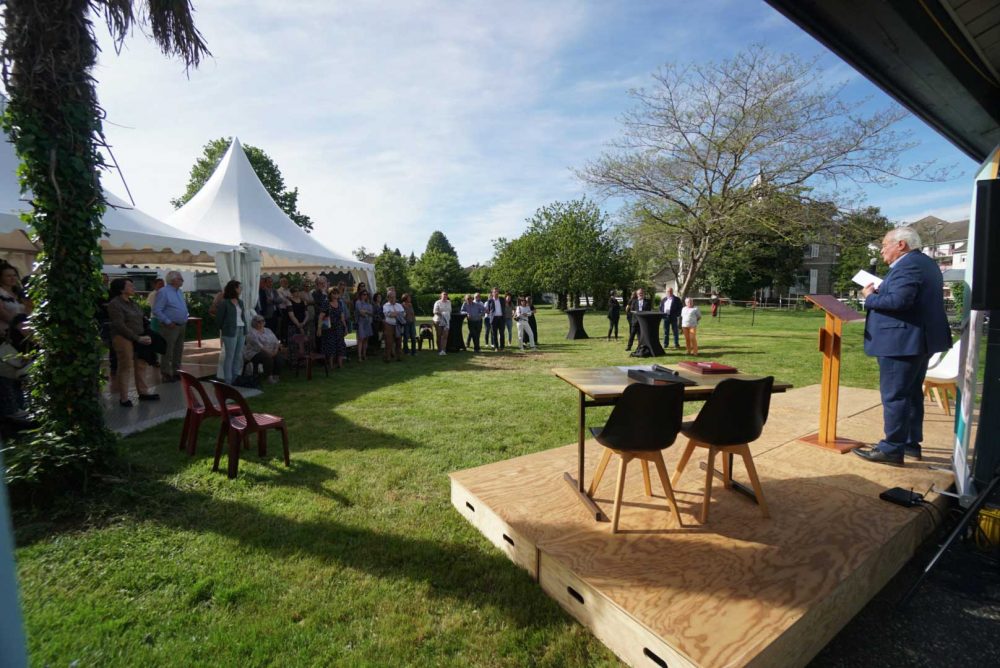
677	315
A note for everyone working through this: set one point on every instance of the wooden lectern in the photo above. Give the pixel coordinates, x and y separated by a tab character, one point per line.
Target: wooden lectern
829	343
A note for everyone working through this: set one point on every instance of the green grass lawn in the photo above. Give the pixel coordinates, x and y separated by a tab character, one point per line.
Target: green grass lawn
353	556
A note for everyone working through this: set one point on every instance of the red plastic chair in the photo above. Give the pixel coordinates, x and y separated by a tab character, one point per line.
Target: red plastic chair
199	408
242	426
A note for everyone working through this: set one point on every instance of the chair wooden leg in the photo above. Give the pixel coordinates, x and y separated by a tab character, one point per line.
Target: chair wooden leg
645	478
668	490
947	390
618	493
937	395
758	491
709	475
692	444
284	444
727	470
599	472
193	429
234	453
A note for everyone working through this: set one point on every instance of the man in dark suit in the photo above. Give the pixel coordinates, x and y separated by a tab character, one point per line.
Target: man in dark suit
905	324
638	303
671	307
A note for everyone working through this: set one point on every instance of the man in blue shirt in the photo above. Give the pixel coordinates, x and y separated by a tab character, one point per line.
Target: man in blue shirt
474	309
172	312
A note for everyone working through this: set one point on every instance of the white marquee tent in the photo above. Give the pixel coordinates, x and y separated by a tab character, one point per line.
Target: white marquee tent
233	207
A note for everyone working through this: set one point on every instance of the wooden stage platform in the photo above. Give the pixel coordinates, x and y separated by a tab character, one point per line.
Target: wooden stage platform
741	590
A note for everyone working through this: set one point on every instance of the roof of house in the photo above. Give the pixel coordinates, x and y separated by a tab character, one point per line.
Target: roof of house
933	230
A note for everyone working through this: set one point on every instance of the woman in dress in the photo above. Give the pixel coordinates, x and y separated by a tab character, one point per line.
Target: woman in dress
521	316
409	324
508	315
363	310
334	346
321	308
442	321
127	332
262	347
232	330
690	316
298	313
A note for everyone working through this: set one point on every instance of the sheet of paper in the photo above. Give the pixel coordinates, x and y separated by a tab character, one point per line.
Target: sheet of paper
864	279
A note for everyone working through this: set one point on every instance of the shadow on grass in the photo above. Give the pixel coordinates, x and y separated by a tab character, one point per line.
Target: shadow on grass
301	474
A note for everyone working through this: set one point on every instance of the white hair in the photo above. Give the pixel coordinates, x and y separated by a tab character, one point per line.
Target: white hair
907	235
172	275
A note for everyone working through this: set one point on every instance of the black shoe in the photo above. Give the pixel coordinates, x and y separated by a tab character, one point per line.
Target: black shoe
125	404
149	397
628	349
914	452
873	454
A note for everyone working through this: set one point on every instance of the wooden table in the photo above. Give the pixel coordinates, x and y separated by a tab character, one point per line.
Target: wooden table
603	386
197	328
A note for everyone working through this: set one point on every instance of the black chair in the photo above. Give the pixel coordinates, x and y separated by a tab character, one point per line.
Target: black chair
730	420
644	421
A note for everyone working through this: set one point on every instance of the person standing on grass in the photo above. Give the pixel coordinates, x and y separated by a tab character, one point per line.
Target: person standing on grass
690	317
671	308
442	321
172	312
494	309
334	345
321	308
532	321
521	315
475	311
232	330
409	325
298	313
905	323
614	314
126	333
363	311
395	315
378	318
714	301
508	315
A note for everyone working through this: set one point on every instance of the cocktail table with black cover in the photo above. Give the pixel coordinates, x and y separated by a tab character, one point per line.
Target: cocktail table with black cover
456	339
649	334
576	330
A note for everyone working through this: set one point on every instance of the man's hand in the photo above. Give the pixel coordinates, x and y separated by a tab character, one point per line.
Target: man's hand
869	289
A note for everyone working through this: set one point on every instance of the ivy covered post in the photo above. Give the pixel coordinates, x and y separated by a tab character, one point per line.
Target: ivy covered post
54	120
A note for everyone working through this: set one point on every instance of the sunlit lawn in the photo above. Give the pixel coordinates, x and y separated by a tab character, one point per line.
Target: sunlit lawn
353	556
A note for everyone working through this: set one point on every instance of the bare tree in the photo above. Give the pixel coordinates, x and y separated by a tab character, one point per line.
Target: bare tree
713	150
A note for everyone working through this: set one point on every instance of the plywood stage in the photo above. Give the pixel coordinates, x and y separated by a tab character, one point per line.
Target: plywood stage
741	590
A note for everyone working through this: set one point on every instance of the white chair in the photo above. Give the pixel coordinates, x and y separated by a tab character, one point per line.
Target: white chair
943	378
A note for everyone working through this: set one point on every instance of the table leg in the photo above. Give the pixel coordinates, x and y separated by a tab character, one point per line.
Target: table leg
577	485
580	439
197	331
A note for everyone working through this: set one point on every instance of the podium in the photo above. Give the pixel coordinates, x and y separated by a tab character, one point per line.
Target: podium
829	344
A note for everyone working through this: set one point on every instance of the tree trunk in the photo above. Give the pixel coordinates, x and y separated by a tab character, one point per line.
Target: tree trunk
54	121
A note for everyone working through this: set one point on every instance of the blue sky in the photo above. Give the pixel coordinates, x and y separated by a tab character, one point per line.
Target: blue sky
398	118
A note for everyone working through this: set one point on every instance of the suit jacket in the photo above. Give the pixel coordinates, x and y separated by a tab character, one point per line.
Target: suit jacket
675	307
634	307
906	316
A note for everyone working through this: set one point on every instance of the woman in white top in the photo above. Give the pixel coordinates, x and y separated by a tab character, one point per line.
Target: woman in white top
392	327
442	321
522	315
690	315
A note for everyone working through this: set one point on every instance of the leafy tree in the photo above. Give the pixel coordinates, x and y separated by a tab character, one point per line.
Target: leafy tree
437	270
54	121
361	253
412	260
710	141
391	270
569	248
438	241
263	166
858	236
481	277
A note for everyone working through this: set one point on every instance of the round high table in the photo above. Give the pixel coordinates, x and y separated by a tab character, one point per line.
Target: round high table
649	334
576	330
456	339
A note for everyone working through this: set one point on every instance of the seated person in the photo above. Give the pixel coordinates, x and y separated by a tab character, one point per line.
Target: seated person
262	347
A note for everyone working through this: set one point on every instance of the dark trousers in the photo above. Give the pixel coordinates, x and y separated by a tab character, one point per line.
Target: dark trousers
475	331
633	332
271	364
533	324
671	322
613	327
496	331
900	382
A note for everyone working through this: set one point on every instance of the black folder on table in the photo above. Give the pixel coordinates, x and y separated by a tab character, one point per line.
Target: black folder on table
658	376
